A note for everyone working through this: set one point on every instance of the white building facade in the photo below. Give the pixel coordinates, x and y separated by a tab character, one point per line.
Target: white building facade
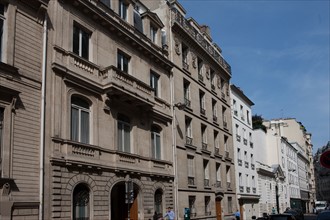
245	169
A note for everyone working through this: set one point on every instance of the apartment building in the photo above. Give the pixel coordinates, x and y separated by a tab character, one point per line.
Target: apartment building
20	101
297	135
322	175
202	126
244	154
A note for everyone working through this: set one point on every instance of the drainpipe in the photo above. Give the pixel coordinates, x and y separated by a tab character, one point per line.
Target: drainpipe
42	120
176	209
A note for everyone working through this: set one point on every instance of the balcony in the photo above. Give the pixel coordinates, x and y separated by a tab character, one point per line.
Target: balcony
127	87
200	77
215	119
248	189
206	183
202	110
245	141
191	181
187	102
185	25
252	166
229	185
185	65
246	164
238	138
254	189
239	161
189	140
241	189
204	146
216	151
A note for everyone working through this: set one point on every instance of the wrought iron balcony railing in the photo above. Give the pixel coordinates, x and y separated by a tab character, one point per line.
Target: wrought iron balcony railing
204	146
206	182
179	19
187	102
239	162
188	140
241	189
248	189
200	77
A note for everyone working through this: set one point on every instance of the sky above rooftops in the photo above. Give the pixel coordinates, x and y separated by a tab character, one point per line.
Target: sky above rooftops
279	54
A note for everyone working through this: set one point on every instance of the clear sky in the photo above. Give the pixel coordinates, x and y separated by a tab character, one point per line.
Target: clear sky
279	54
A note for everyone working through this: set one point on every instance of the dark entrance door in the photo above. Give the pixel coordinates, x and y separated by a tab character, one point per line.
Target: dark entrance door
119	209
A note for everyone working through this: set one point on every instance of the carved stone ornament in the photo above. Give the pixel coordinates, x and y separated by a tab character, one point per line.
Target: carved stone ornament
177	46
194	60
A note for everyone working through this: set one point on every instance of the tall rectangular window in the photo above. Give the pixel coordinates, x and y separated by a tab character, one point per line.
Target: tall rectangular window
188	127
191	201
200	67
218	172
240	180
79	120
123	62
2	20
202	102
206	170
155	142
2	111
80	42
204	134
216	139
123	9
124	133
186	90
154	78
191	170
153	33
185	64
207	200
214	108
230	205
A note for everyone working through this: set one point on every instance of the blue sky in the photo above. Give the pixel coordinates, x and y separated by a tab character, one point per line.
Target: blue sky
279	54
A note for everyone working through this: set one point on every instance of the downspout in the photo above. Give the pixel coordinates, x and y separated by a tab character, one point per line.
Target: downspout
176	209
42	120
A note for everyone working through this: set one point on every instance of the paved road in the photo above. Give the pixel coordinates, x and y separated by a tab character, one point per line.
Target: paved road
310	217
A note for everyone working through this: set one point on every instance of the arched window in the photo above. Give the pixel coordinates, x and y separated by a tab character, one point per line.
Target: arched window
81	202
79	120
158	198
124	133
156	142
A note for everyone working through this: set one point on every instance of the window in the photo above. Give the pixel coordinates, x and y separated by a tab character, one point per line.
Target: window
214	108
2	111
80	42
239	156
204	134
200	68
2	20
124	133
212	80
226	143
216	141
154	78
245	156
185	57
123	9
80	120
206	172
158	201
122	62
107	3
224	118
235	107
138	21
153	33
237	130
191	201
252	159
240	179
228	176
186	90
207	205
241	112
188	127
253	182
218	174
191	170
247	182
81	203
156	142
248	117
202	102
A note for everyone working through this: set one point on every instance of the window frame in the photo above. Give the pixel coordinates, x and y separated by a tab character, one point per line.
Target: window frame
81	109
124	125
123	62
156	149
82	50
88	207
154	82
123	10
154	33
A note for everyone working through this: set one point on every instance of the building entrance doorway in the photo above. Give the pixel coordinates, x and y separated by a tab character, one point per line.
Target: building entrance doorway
218	208
119	208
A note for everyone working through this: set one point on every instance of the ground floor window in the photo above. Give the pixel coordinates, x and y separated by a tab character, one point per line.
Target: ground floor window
81	202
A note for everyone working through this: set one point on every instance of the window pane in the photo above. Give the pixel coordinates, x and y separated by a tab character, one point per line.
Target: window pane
158	148
153	147
127	138
120	136
81	203
85	44
74	124
76	40
106	2
125	64
84	127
